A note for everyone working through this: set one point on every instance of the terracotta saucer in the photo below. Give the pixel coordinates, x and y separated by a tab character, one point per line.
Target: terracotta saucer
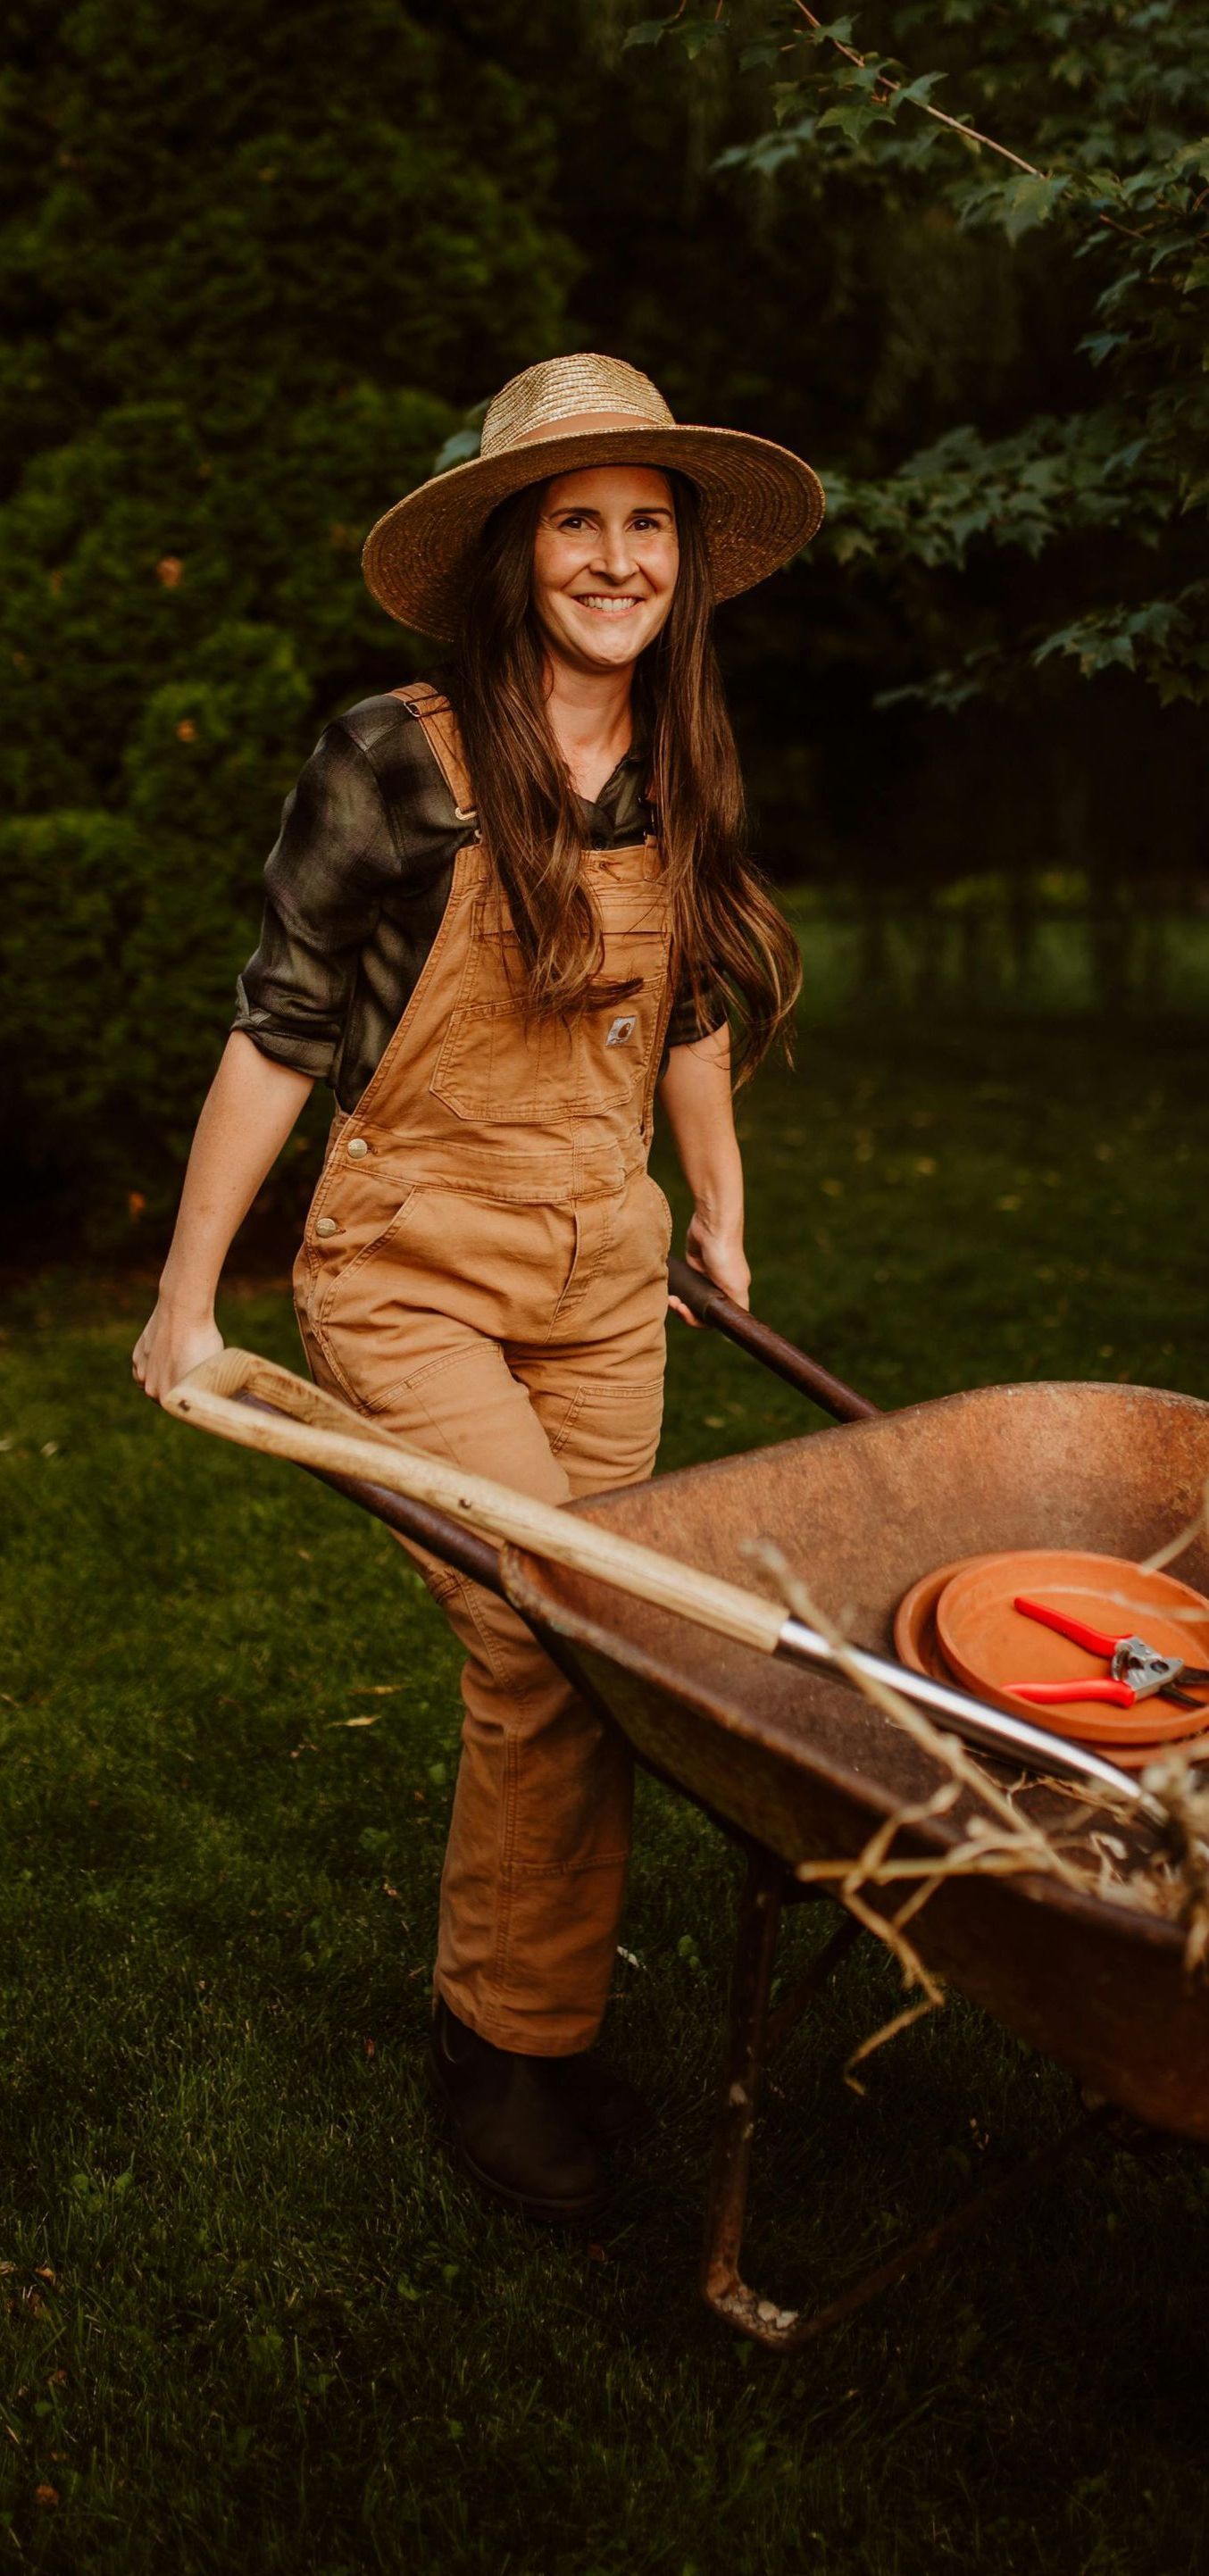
916	1643
988	1643
918	1647
1134	1757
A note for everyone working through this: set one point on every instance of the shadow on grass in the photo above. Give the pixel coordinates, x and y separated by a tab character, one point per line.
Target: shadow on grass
253	2320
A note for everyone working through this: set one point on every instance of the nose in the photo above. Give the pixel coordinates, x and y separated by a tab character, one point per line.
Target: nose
614	555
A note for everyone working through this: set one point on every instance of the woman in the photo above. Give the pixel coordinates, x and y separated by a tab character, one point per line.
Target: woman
496	918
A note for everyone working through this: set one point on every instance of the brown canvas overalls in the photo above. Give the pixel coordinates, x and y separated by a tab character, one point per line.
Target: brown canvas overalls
484	1271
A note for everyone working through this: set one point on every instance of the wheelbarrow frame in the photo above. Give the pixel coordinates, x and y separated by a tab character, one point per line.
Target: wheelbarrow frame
755	2032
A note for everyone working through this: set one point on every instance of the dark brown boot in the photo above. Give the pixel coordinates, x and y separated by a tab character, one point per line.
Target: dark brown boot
515	2132
605	2103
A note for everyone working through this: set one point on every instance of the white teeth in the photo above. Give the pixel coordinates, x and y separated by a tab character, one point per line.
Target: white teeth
612	606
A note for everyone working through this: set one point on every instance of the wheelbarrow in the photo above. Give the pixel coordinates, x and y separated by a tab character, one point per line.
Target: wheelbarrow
800	1768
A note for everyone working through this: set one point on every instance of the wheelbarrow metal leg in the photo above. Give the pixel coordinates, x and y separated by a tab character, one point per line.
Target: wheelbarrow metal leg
753	2035
751	1976
788	2331
789	2011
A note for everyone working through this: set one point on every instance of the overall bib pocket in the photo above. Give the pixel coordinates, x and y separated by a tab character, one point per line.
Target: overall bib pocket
496	1065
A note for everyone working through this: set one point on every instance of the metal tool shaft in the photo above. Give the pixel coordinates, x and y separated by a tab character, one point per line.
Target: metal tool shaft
994	1730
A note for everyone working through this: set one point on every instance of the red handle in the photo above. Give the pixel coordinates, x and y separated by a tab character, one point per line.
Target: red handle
1056	1694
1093	1638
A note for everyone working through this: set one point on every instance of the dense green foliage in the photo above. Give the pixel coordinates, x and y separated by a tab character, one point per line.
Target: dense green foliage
230	293
253	279
251	2323
236	295
1090	120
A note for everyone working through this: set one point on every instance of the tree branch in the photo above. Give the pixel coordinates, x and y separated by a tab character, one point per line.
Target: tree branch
969	131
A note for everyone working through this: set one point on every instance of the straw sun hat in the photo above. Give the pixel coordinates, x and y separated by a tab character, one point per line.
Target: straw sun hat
759	503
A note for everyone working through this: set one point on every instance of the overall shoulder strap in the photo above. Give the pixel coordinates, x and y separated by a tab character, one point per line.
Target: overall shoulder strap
434	712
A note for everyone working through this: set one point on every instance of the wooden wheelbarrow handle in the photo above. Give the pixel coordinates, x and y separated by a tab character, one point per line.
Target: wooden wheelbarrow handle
318	1431
712	1306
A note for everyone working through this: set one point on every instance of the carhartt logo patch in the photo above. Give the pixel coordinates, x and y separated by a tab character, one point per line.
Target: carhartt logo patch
621	1030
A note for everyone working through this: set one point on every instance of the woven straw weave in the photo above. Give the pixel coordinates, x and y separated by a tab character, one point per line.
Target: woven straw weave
759	503
562	388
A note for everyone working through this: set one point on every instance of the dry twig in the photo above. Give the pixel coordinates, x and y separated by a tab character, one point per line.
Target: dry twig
1183	1540
1184	1798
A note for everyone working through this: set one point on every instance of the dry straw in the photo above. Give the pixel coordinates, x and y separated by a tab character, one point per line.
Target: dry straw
999	1839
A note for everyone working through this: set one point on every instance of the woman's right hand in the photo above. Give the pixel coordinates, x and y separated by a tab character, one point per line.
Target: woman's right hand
249	1110
171	1344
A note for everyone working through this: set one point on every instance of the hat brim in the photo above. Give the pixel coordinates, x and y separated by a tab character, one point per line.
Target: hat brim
759	506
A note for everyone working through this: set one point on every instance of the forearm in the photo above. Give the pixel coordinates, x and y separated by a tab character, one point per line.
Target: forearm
695	1096
250	1109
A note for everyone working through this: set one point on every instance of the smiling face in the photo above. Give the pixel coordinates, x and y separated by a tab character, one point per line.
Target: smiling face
605	559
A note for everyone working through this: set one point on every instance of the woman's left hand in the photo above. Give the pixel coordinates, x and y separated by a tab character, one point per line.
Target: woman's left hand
718	1251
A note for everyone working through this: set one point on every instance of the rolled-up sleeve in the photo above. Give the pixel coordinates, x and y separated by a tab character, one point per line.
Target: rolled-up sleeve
323	889
694	1017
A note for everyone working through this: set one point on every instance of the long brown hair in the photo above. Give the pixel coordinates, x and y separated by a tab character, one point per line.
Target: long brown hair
727	935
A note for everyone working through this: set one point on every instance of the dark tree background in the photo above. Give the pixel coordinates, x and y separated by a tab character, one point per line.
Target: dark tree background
256	267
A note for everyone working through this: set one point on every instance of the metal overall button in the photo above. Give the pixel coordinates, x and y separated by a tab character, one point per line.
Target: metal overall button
357	1146
326	1225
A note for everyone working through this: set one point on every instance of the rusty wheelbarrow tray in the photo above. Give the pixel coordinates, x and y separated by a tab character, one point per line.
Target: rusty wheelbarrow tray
799	1768
803	1769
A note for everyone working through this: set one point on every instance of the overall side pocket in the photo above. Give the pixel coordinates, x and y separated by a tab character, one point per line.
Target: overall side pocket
347	1303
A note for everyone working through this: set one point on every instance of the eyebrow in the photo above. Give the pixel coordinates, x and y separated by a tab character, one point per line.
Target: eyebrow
585	510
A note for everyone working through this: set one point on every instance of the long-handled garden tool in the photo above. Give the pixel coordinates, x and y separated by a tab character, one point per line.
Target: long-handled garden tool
228	1393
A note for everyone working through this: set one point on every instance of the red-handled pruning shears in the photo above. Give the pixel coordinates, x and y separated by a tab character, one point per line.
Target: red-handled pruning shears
1137	1670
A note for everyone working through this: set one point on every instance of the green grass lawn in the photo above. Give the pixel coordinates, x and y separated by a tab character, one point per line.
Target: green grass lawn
250	2318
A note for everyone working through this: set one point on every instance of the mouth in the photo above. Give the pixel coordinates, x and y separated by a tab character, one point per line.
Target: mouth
607	603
